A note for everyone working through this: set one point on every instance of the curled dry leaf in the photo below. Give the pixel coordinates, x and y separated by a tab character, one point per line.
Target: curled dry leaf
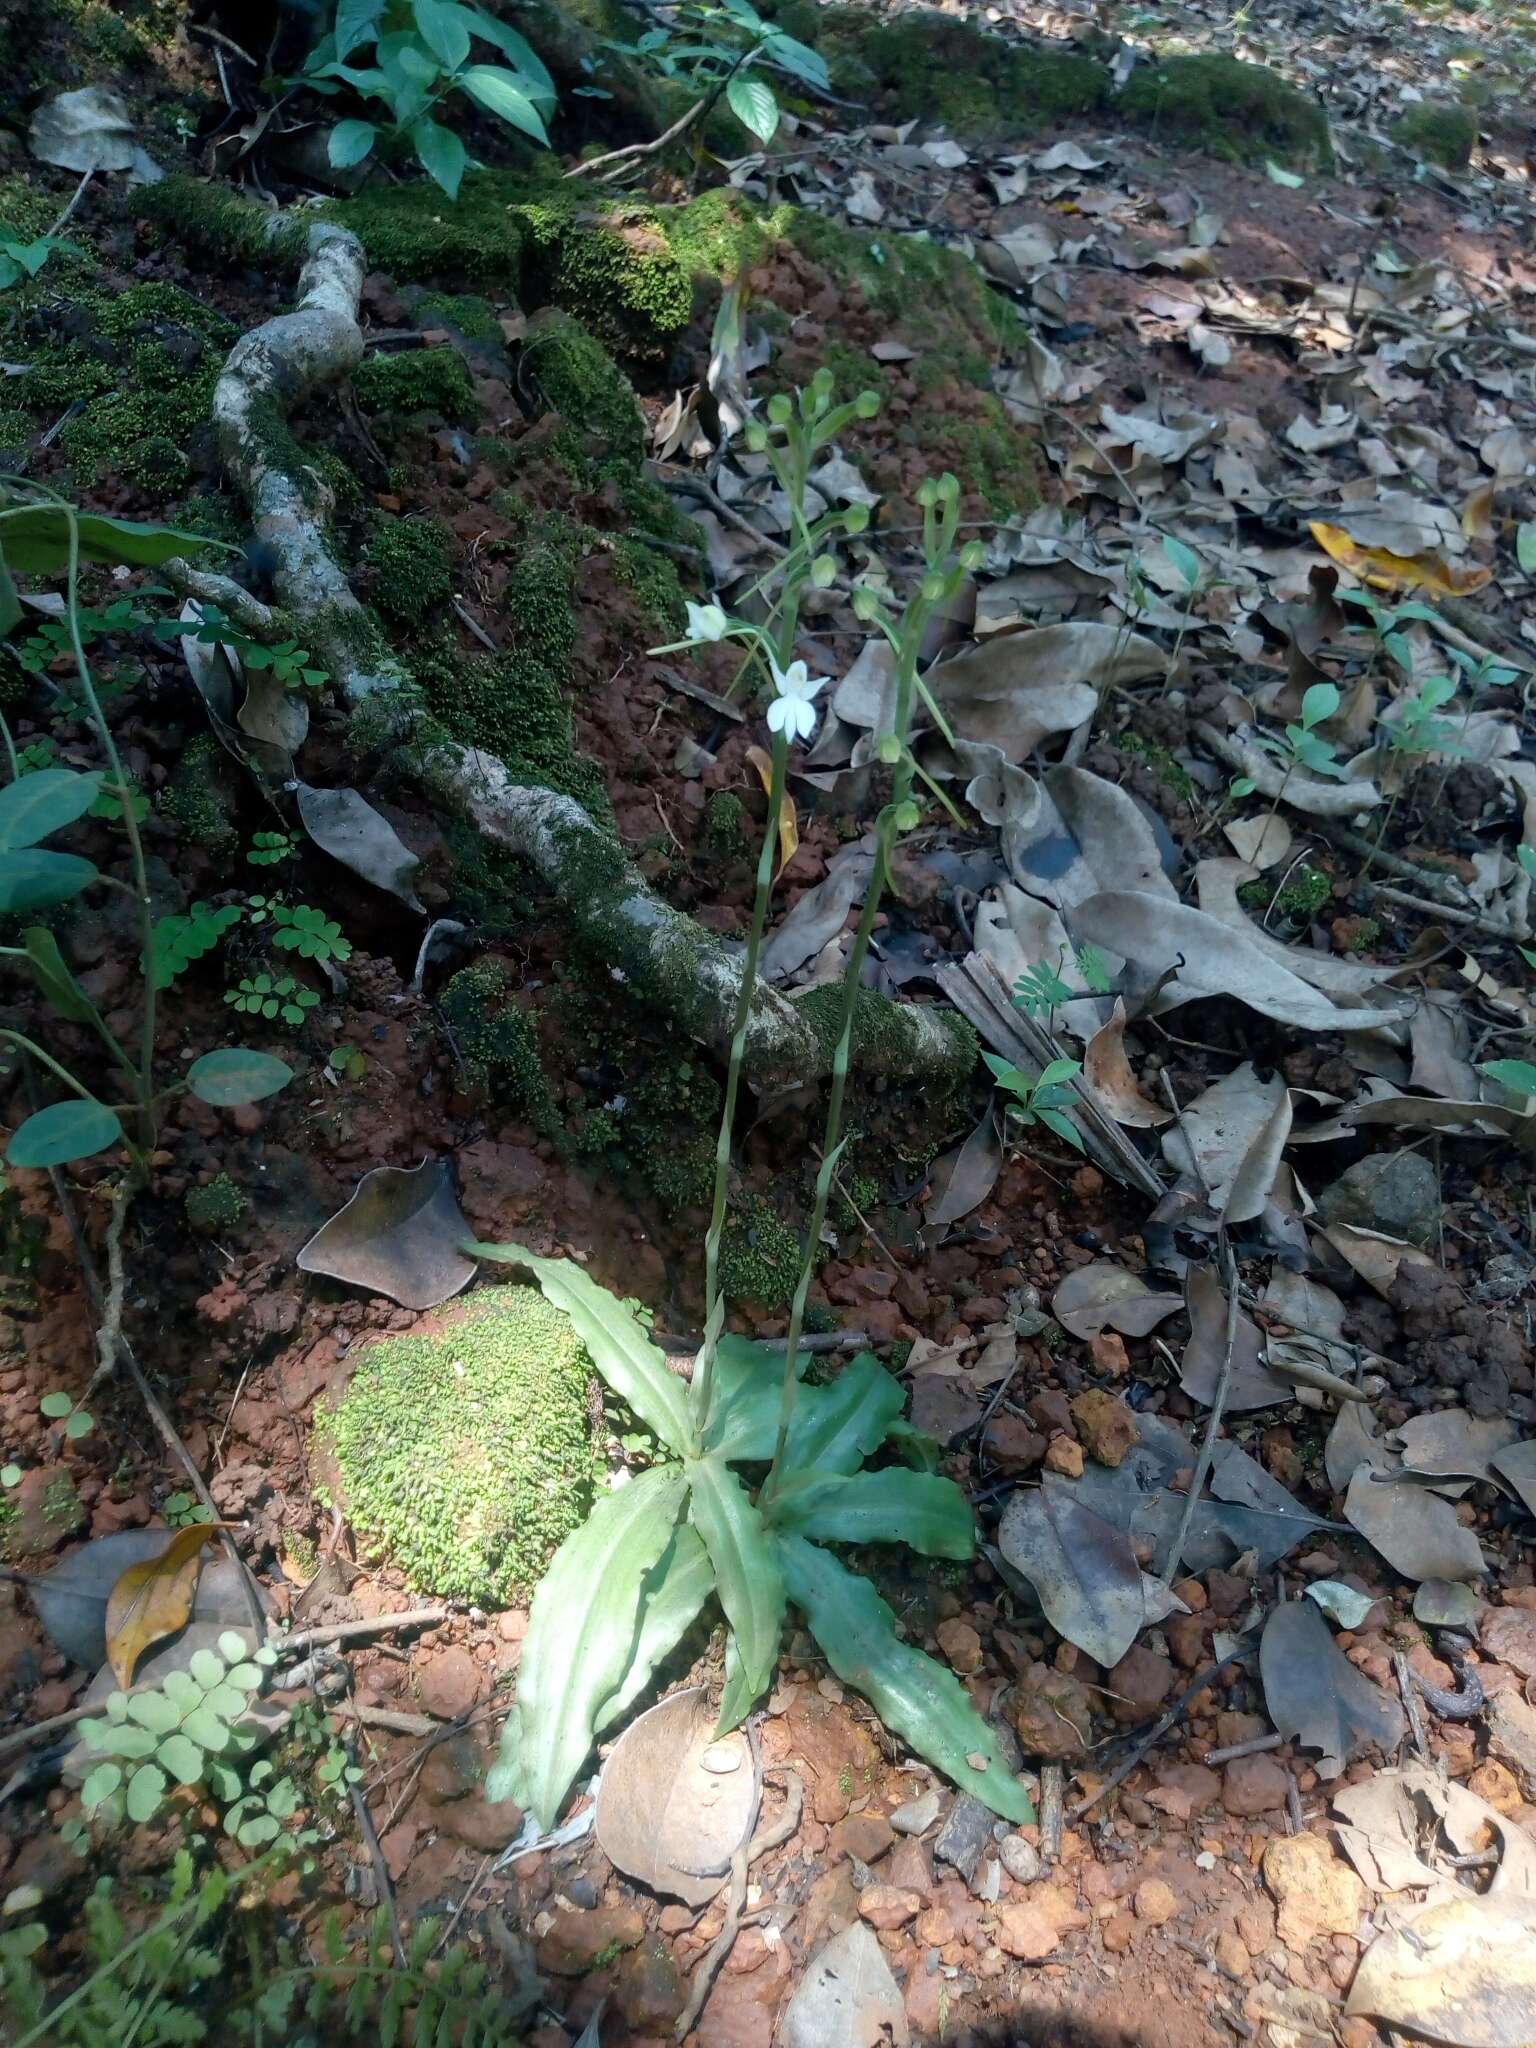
71	1600
965	1176
345	825
274	720
1413	1528
847	1998
1516	1466
1082	1567
1376	1259
675	1803
401	1234
1107	1071
1219	1129
1383	570
1315	1696
820	914
1462	1972
153	1598
1250	1386
1351	1443
1015	688
1254	1180
1211	959
1259	842
1450	1443
1103	1296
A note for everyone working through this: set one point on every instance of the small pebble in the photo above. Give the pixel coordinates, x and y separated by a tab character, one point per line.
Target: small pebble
918	1815
1021	1859
721	1757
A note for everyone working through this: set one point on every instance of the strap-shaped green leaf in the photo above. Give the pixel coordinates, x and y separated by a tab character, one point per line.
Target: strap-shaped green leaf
835	1428
35	537
746	1572
913	1695
581	1640
890	1506
748	1388
44	802
616	1342
676	1588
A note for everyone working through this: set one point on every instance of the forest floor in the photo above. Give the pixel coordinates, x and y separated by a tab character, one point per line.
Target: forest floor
1300	378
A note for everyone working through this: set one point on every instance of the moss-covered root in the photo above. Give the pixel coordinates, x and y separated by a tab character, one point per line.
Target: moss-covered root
666	957
269	372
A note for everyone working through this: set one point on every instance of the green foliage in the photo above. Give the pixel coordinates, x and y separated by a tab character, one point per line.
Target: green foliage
422	51
186	1732
602	431
300	928
759	1256
1045	1100
1437	132
1518	1076
1244	112
270	849
1040	989
184	1511
1417	730
498	1041
410	565
705	45
219	1206
425	380
1303	747
259	995
725	825
185	936
465	1457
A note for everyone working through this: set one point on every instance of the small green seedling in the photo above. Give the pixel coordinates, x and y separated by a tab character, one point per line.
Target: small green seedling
260	995
1043	1100
60	1407
267	849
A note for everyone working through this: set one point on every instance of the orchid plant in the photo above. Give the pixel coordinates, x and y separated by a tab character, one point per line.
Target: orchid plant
622	1590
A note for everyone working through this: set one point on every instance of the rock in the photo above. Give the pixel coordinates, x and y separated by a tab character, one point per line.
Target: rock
1020	1859
1186	1639
46	1862
1509	1633
1051	1412
650	1992
910	1868
1106	1428
1138	1684
1026	1930
864	1835
1227	1593
481	1823
831	1904
1065	1457
1232	1954
1156	1902
1442	1603
961	1646
1313	1890
448	1683
1012	1445
887	1906
846	1998
936	1927
576	1940
1251	1785
1498	1785
1397	1193
1183	1790
1117	1933
44	1509
1511	1726
1052	1712
1108	1352
918	1815
452	1770
944	1408
967	1830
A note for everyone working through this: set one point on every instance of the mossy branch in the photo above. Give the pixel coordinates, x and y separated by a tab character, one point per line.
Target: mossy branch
667	958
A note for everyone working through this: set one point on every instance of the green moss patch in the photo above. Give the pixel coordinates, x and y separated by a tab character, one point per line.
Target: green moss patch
423	380
498	1042
465	1456
410	565
1218	104
1438	132
759	1256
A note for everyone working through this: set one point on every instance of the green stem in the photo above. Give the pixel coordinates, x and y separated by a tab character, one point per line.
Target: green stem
10	749
713	1300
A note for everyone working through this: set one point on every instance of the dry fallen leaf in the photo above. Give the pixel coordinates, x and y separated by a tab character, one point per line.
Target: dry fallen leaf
153	1599
789	831
1383	570
1103	1296
1107	1071
1415	1530
1463	1973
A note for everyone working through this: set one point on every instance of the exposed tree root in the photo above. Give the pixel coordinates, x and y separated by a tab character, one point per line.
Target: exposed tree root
668	959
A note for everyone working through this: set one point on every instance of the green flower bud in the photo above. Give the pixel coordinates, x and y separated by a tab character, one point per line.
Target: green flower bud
906	816
756	437
821	383
888	749
933	587
972	555
867	404
927	493
779	409
949	485
856	519
823	571
865	602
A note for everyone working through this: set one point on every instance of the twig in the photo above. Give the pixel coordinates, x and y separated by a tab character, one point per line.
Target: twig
1468	920
689	485
25	1737
1445	886
764	1840
721	706
635	150
370	1625
370	1835
1159	1729
216	36
387	1719
109	1332
1293	1814
1254	1747
1218	1404
1052	1802
471	624
1411	1707
75	199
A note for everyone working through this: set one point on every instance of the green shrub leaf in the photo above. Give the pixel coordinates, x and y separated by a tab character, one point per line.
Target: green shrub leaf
64	1131
31	879
35	539
180	1755
51	973
747	1575
442	155
100	1784
146	1789
350	142
915	1697
237	1075
580	1649
501	92
753	104
835	1428
891	1506
615	1339
43	802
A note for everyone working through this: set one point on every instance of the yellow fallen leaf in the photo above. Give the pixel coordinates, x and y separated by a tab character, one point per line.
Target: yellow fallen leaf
154	1599
789	831
1477	513
1383	570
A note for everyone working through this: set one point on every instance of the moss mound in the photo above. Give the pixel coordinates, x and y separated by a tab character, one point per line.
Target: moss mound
1438	132
432	380
1242	112
498	1042
466	1456
410	568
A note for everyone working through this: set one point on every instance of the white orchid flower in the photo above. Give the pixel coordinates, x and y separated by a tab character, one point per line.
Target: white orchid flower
792	712
707	622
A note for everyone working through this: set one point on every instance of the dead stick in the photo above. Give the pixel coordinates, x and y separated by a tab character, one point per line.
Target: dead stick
766	1839
1234	1750
1159	1729
371	1625
370	1836
1411	1707
1218	1404
1052	1814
